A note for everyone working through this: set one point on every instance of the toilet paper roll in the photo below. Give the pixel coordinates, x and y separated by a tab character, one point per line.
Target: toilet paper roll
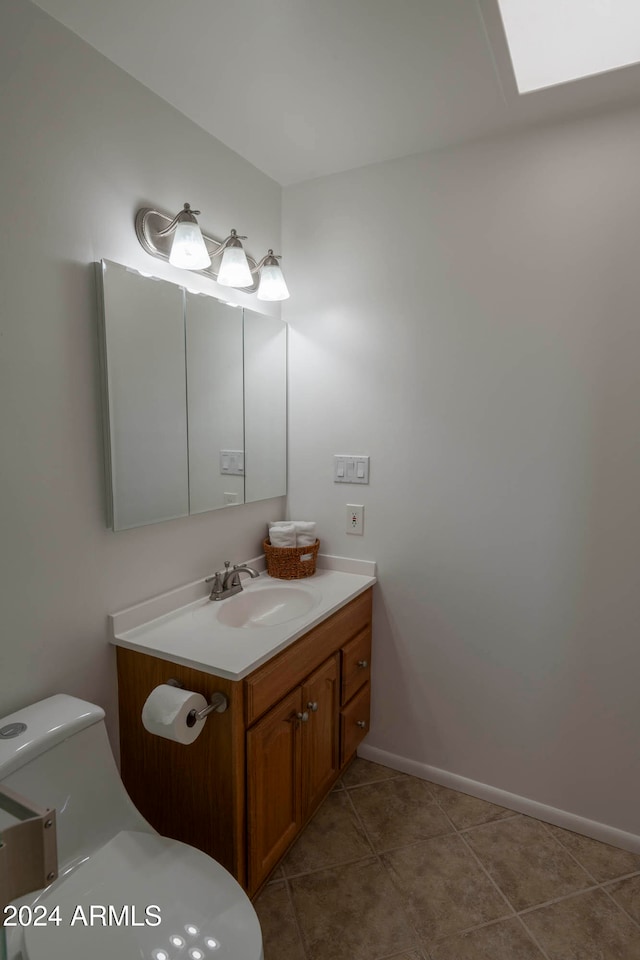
166	710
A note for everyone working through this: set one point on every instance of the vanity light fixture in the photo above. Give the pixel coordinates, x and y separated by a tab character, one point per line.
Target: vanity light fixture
234	267
272	283
180	241
188	249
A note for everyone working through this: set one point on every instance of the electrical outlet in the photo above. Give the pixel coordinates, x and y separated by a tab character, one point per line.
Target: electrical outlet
355	518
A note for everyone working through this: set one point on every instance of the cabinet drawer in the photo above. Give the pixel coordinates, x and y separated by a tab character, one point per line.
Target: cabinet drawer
354	722
356	664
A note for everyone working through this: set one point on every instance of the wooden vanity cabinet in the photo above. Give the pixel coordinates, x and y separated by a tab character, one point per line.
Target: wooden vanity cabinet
245	788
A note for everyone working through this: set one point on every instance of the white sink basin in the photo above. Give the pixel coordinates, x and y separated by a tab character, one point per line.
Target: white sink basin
266	606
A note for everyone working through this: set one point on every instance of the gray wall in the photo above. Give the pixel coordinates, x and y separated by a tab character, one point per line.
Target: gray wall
470	320
82	146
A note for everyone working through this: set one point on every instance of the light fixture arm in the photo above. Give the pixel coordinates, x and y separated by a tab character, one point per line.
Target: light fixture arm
186	215
270	259
233	240
154	232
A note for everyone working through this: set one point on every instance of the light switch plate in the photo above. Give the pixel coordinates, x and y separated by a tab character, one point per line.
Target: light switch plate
232	462
350	468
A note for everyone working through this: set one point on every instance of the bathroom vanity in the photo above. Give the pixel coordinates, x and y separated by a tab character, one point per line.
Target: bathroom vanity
298	696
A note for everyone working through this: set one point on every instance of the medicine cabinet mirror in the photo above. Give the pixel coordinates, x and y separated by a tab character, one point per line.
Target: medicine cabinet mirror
194	400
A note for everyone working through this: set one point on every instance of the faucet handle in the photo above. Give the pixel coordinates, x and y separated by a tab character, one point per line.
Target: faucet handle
216	589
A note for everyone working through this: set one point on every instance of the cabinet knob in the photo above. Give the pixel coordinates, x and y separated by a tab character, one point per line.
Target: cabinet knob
312	705
363	663
361	723
302	716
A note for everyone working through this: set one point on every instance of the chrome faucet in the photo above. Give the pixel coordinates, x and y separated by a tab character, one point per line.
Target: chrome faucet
227	582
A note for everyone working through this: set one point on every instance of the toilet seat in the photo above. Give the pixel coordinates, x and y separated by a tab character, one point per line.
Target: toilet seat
204	913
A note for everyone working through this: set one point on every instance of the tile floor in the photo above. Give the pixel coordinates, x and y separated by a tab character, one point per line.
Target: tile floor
397	868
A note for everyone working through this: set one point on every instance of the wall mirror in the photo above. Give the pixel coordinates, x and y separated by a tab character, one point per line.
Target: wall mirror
194	397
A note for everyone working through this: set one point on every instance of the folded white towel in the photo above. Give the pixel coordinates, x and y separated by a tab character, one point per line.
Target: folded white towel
305	532
282	534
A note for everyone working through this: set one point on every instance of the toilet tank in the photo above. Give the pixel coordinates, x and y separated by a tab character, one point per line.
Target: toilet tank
56	753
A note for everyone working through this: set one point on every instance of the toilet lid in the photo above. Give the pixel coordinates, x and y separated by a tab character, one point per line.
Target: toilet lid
144	897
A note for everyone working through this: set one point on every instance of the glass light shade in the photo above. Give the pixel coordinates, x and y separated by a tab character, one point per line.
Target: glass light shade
234	268
188	249
272	283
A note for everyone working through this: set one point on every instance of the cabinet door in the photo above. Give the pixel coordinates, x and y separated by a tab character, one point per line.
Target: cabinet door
273	786
320	733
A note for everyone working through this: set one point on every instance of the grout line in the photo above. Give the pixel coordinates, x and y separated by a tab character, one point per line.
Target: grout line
488	823
490	923
551	903
619	905
394	956
360	822
601	884
486	872
373	783
623	876
385	870
466	843
331	866
296	920
550	833
533	938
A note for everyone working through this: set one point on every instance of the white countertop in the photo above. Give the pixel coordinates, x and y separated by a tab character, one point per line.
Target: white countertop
192	634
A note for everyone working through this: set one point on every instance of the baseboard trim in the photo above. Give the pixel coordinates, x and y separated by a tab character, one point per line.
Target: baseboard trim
532	808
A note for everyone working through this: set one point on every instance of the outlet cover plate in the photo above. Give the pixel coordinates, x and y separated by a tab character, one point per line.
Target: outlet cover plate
355	519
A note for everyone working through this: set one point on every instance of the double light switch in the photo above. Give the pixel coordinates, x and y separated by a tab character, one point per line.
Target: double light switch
232	462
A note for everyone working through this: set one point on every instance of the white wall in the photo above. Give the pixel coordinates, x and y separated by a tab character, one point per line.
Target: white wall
471	314
470	320
82	146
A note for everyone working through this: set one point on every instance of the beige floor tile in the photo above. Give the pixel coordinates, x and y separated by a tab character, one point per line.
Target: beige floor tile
280	936
363	771
627	894
397	812
466	811
528	865
603	861
505	940
586	927
444	889
333	836
351	912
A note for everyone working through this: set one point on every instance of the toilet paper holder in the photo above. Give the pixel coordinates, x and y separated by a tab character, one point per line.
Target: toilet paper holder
218	703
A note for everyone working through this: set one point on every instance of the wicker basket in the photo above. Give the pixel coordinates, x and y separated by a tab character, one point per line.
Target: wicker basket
291	563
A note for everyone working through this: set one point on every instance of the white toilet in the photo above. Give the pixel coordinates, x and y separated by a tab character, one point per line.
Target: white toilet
110	857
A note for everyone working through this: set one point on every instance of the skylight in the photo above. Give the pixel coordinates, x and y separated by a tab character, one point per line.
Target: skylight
555	41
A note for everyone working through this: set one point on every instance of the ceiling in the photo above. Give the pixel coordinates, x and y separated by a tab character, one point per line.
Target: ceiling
306	88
